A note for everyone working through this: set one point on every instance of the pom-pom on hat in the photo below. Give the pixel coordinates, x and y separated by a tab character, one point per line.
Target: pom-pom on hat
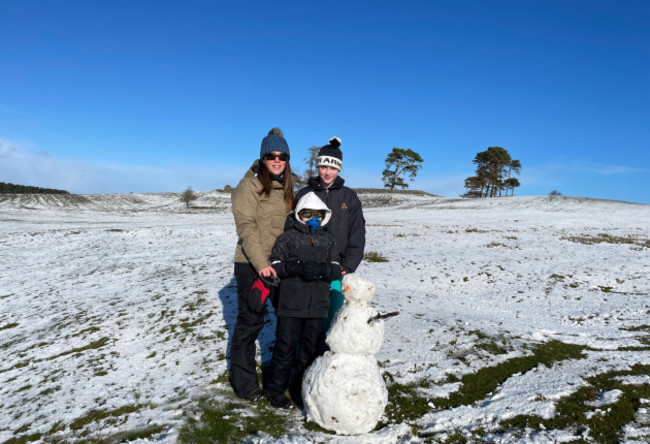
274	142
331	155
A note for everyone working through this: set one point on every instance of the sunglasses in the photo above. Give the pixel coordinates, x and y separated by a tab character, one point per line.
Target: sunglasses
272	156
308	214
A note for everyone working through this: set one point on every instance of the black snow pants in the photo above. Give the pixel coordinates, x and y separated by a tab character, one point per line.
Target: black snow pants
250	320
288	332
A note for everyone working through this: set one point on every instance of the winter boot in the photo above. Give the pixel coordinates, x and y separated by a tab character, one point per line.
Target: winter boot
254	396
278	400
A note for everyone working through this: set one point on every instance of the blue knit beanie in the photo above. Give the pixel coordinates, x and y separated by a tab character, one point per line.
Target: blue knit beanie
273	142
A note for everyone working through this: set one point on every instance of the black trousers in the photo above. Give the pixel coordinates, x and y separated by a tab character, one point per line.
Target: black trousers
288	332
250	320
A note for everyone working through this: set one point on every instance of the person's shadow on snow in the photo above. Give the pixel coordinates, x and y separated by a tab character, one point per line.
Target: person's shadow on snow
266	338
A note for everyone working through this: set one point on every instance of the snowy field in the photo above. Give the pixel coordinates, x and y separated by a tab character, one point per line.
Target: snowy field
116	312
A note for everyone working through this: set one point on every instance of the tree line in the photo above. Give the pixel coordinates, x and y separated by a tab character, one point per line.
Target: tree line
494	170
10	188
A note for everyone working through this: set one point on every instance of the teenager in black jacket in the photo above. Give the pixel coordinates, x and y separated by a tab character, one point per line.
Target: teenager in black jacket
305	258
347	225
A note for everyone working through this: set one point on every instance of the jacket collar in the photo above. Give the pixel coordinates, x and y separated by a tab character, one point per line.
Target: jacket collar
315	183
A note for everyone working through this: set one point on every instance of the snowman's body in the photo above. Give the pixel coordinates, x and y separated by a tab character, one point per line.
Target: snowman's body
343	390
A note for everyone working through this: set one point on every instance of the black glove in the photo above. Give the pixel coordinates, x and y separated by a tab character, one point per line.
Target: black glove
291	268
332	272
310	270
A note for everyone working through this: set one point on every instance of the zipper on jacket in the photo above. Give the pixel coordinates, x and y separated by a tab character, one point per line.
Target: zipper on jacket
311	300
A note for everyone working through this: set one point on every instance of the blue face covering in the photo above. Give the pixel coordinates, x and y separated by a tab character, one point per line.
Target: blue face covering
313	223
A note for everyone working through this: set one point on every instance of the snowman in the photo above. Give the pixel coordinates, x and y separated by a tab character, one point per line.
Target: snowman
343	390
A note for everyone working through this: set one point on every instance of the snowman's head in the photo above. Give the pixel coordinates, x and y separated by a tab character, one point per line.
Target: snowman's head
357	289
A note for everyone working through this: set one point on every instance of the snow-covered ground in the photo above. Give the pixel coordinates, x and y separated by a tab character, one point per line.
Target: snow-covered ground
113	301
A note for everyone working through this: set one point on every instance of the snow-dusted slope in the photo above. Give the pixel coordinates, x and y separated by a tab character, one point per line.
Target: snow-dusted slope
125	303
132	202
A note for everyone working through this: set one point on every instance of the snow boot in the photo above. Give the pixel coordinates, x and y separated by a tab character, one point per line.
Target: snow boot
254	395
278	400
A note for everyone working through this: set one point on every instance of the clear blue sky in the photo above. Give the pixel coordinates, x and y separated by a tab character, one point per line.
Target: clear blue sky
151	96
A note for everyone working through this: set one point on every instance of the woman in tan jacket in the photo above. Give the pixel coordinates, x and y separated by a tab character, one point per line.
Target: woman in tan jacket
260	204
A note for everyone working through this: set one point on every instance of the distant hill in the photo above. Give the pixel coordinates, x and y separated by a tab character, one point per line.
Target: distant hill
10	188
218	201
387	191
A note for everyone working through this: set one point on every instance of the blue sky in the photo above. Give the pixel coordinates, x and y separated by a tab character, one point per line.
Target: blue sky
153	96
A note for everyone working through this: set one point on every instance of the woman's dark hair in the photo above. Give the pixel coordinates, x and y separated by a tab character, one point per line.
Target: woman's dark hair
267	180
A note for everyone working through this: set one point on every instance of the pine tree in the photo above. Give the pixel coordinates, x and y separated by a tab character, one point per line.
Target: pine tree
490	178
310	161
401	161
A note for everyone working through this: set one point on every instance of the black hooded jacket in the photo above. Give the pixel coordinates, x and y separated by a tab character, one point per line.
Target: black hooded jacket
300	296
347	224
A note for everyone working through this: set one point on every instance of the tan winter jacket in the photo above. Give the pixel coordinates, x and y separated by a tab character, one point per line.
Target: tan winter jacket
259	219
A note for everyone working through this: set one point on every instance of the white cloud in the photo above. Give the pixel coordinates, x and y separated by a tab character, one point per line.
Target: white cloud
608	170
590	168
20	166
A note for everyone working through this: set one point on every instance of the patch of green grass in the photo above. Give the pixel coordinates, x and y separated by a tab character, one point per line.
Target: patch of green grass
86	331
50	390
609	239
373	256
202	208
635	349
496	244
492	347
456	438
221	379
24	439
313	427
92	346
15	366
603	424
479	334
405	402
476	386
215	422
127	436
8	326
644	327
188	325
98	415
24	388
407	235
